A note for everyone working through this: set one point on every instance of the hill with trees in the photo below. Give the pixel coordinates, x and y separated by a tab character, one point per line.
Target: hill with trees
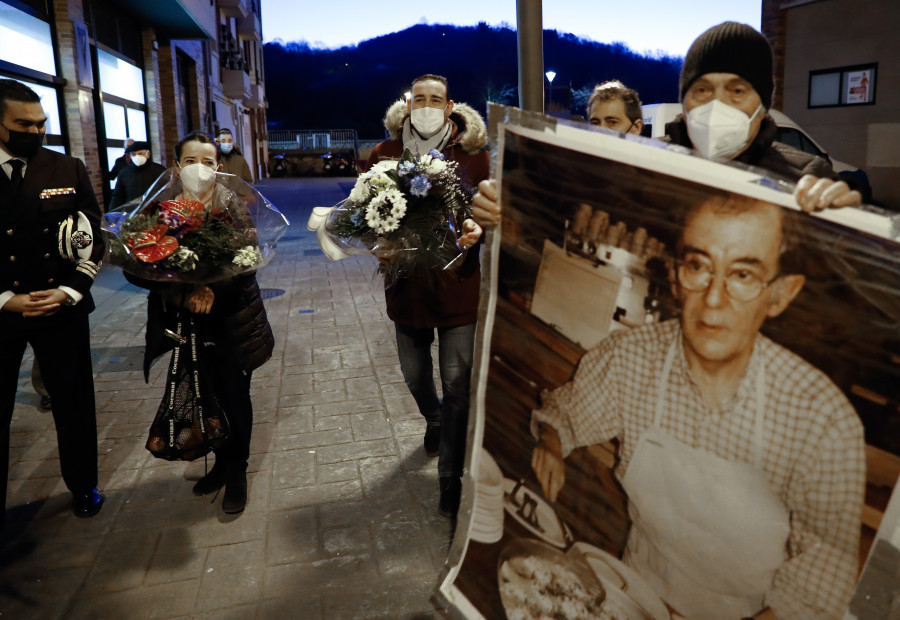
351	87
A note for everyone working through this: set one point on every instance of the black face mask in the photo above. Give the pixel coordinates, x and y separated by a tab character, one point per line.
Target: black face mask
23	143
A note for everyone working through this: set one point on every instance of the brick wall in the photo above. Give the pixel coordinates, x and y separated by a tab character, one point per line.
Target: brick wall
170	104
773	27
155	114
81	123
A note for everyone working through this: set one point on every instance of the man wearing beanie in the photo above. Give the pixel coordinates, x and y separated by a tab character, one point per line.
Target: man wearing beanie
137	177
726	87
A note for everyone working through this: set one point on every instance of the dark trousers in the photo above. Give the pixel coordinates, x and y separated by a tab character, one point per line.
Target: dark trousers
232	384
63	352
456	346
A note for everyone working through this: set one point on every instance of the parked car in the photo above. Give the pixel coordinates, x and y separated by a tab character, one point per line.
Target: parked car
656	116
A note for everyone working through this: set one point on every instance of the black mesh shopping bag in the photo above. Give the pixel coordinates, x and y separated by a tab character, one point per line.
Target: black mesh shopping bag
190	421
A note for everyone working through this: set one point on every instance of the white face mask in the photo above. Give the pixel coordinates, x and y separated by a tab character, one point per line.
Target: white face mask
197	178
427	121
226	147
139	160
719	130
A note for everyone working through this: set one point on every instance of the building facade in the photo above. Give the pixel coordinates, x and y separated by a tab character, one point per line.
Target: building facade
837	66
107	70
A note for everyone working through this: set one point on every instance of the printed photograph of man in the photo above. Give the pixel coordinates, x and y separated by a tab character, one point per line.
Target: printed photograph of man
744	465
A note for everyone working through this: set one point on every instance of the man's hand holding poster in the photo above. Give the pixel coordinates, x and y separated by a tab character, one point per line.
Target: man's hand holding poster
681	380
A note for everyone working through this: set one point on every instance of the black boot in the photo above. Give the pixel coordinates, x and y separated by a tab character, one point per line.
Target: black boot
432	439
235	489
451	490
212	481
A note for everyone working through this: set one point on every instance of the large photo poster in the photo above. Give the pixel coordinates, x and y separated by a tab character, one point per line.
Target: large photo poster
687	393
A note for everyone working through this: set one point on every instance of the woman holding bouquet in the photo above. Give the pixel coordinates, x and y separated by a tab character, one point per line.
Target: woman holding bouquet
228	315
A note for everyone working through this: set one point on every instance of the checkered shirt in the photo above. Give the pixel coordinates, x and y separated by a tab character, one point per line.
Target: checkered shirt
813	447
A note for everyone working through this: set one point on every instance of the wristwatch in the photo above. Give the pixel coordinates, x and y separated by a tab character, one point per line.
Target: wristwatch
69	301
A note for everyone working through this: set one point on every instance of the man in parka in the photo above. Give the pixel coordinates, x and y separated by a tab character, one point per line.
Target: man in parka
430	120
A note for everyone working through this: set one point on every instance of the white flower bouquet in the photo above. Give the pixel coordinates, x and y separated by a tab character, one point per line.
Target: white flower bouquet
407	212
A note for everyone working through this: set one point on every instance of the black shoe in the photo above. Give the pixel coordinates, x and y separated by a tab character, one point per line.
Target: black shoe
451	490
432	439
88	504
235	489
46	403
211	482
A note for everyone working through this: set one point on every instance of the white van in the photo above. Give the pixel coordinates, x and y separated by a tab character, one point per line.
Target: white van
656	115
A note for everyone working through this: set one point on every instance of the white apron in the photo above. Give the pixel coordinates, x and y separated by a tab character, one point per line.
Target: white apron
707	533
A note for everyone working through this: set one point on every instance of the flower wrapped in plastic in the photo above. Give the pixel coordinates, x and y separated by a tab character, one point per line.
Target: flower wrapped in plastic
173	235
408	212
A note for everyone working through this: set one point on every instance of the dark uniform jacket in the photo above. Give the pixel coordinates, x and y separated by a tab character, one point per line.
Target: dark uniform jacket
134	181
764	152
451	299
55	187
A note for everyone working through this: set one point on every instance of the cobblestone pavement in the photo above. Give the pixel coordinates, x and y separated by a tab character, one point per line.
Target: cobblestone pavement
342	518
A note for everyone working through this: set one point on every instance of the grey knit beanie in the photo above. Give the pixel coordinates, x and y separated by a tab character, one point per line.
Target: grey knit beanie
735	48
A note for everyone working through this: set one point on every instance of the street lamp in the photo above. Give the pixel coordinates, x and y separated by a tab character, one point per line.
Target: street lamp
550	75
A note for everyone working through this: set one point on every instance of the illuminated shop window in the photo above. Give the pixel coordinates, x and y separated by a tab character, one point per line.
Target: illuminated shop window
114	121
120	78
25	40
137	124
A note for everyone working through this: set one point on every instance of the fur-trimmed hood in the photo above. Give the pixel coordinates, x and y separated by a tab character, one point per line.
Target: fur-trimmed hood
471	139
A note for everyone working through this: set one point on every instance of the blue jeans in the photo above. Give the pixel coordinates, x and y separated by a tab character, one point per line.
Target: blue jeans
456	347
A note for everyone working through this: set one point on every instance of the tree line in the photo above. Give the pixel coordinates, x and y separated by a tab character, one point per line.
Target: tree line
351	87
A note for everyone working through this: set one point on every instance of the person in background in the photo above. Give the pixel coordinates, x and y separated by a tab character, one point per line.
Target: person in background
615	106
230	158
137	177
431	120
52	249
231	318
726	87
122	161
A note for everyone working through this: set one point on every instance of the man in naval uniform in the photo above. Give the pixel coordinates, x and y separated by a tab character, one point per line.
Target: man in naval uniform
50	251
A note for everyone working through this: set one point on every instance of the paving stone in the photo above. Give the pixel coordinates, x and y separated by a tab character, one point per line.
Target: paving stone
370	425
356	406
158	601
332	422
291	604
296	420
337	472
294	468
318	494
314	440
347	540
123	560
45	595
293	536
175	559
356	450
249	552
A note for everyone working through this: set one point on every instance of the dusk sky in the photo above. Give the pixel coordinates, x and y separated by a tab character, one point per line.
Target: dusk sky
644	26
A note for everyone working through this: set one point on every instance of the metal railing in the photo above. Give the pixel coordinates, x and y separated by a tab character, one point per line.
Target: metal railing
319	139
